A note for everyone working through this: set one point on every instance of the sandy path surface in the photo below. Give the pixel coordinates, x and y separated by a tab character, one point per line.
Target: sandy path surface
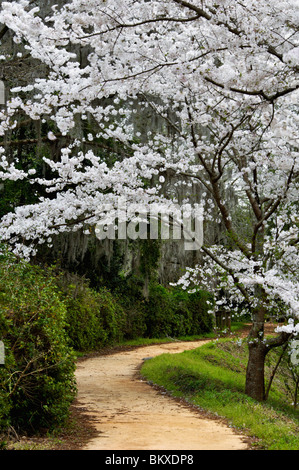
129	414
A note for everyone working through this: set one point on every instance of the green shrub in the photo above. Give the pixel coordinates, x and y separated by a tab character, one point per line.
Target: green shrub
94	318
98	317
84	325
129	296
113	315
165	312
173	312
160	312
37	381
199	303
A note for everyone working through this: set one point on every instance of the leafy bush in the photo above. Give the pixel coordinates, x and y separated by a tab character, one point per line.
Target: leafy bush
129	296
166	312
37	381
173	312
199	303
94	318
159	312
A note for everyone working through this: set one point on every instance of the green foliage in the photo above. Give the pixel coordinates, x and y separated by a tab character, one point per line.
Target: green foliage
149	257
165	312
199	303
165	316
174	312
37	381
129	295
94	318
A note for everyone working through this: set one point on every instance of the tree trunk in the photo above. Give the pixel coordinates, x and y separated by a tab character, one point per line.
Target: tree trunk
255	373
258	349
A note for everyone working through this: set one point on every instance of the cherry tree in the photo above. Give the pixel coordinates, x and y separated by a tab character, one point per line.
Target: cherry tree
223	78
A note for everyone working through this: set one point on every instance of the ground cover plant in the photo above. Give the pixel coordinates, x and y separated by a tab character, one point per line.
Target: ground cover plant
212	377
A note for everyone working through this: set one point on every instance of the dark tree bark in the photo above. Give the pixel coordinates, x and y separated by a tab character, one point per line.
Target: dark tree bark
255	373
258	350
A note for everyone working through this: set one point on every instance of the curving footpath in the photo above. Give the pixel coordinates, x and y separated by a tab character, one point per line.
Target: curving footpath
129	414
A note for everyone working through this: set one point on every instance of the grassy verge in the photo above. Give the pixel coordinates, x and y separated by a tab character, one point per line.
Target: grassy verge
168	339
212	377
235	328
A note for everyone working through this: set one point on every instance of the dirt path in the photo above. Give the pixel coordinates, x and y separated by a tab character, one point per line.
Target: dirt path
129	414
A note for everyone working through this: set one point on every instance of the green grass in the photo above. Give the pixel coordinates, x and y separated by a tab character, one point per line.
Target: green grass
213	378
149	341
